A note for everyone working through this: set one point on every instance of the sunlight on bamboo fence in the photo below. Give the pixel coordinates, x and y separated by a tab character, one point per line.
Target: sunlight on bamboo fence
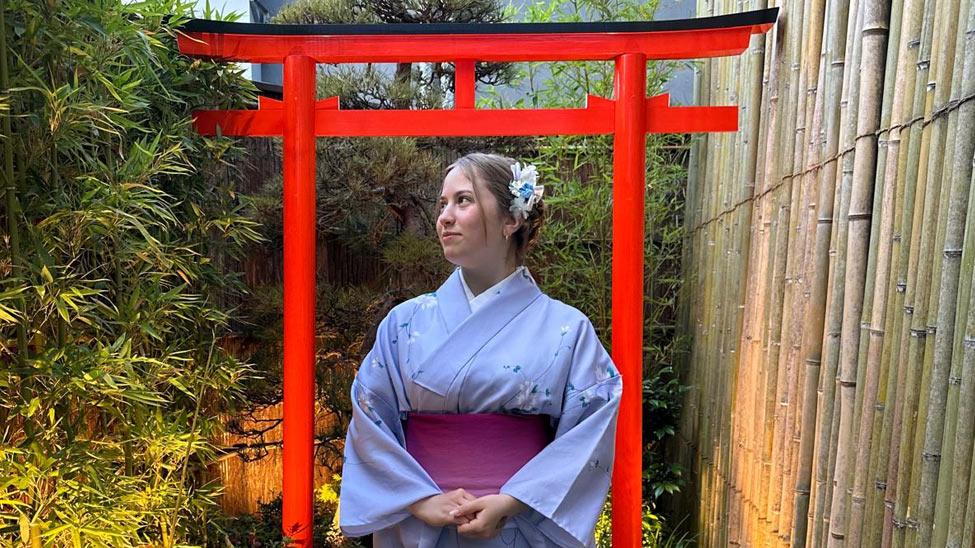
251	471
830	253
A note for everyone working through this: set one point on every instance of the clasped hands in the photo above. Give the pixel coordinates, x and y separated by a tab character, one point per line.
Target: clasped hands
474	517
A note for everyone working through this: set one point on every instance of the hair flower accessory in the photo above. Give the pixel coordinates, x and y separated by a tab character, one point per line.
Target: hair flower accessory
524	188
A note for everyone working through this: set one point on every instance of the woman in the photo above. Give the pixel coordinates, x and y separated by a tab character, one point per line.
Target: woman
485	413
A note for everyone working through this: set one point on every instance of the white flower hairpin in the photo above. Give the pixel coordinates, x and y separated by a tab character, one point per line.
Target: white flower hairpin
523	186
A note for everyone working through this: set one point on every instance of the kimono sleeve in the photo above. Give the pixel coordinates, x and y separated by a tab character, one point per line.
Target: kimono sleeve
380	479
566	483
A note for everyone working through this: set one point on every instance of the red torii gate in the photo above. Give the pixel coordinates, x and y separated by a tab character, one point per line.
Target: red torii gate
300	119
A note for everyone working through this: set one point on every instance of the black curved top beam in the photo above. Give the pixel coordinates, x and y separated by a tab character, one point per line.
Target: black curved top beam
743	19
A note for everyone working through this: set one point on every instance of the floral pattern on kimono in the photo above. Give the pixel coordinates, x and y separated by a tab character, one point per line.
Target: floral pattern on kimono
521	352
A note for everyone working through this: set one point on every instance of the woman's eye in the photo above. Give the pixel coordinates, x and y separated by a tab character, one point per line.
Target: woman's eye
461	199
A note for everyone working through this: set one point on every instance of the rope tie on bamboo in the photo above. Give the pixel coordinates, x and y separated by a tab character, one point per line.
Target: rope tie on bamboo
968	342
909	309
880	484
931	457
948	107
945	110
954	380
919	333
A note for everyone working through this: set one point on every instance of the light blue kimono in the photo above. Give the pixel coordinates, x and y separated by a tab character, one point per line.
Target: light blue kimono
521	352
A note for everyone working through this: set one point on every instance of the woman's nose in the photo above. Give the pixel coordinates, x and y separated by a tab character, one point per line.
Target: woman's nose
446	216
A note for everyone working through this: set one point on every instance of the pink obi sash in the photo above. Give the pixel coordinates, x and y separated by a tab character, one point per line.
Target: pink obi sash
478	452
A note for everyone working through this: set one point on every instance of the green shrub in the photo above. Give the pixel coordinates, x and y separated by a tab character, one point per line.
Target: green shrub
116	222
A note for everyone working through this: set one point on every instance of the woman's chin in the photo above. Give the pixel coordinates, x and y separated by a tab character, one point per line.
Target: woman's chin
451	256
456	259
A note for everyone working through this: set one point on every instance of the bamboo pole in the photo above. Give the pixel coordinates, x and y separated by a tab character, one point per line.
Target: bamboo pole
930	268
751	116
744	169
968	533
756	309
882	244
874	43
786	251
939	436
962	519
723	373
951	513
771	217
804	215
884	469
848	105
884	322
914	330
826	266
707	472
12	204
816	259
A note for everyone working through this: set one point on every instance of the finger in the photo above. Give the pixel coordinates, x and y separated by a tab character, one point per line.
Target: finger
471	507
461	498
471	529
461	518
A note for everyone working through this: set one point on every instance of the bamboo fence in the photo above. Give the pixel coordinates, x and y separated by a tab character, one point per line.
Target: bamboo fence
829	265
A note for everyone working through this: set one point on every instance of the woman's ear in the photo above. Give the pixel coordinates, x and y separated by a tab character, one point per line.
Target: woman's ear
512	224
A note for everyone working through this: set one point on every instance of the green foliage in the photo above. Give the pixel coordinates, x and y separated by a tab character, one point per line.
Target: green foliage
264	529
115	225
656	533
412	85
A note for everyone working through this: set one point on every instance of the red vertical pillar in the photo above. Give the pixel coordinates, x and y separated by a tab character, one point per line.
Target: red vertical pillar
629	179
299	297
464	93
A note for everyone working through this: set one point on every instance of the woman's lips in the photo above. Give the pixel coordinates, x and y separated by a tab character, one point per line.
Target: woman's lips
448	236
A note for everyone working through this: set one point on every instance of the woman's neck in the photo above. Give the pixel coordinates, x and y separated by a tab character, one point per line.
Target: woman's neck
480	280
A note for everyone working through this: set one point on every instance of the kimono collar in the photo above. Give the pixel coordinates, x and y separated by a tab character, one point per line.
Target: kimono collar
468	331
476	301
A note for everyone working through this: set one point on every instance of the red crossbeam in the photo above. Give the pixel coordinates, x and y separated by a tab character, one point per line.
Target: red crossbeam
596	118
680	44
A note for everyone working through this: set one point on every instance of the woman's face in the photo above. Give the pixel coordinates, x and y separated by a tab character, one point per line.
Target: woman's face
462	220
